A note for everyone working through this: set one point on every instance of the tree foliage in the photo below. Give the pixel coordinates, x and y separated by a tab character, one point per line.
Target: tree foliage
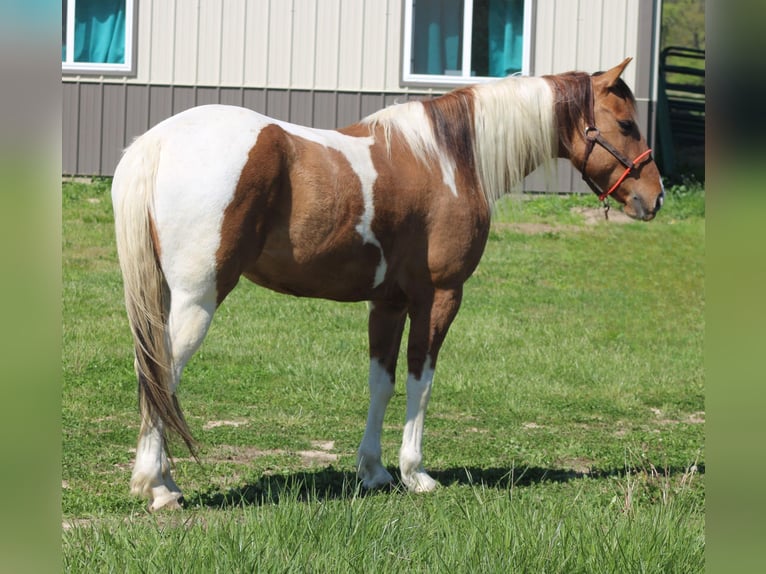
683	23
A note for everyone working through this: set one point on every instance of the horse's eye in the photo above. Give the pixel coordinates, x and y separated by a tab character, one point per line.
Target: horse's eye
626	125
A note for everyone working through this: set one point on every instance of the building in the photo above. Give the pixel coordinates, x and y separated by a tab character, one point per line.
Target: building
128	64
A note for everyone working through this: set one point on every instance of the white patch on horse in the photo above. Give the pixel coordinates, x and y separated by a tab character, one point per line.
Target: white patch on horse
202	153
357	152
369	466
411	453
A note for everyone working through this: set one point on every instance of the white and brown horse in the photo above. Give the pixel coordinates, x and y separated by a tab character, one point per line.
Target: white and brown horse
394	210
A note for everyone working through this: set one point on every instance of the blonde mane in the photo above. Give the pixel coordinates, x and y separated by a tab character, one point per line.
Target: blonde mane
513	130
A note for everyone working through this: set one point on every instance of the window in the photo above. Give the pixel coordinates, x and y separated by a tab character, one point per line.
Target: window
97	36
450	42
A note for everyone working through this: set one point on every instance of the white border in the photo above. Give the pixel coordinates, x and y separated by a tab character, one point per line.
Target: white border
69	65
465	78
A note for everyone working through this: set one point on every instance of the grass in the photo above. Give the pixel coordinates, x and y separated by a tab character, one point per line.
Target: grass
566	423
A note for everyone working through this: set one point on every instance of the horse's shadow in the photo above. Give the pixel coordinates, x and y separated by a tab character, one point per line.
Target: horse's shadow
330	483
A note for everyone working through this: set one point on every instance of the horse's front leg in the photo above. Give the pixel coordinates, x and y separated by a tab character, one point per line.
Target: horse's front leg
429	321
386	323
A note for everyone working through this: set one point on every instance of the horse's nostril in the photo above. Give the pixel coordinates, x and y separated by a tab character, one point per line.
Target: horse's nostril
660	200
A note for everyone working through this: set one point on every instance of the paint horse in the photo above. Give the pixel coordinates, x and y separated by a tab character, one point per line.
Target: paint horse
393	210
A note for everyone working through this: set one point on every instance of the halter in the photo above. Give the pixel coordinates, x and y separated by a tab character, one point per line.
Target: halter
593	137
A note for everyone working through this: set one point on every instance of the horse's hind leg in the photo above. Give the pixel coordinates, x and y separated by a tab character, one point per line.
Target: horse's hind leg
386	324
188	321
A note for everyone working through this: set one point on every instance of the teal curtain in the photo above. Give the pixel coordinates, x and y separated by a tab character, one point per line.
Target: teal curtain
497	37
437	42
505	36
99	31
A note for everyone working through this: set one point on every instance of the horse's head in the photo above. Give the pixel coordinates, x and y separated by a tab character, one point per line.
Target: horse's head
609	149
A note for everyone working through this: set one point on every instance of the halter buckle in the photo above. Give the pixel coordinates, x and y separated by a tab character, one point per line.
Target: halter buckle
592	133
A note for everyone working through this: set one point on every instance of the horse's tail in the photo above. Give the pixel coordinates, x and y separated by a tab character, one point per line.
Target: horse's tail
147	296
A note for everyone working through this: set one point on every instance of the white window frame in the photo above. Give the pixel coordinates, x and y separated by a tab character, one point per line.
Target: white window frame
465	77
126	68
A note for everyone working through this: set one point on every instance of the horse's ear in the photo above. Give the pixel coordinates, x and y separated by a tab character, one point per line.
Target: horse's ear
608	78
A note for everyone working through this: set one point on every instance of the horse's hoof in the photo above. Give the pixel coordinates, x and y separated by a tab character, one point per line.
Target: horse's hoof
169	501
420	482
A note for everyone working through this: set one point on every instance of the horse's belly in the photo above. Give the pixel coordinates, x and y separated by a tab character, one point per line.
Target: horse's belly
349	275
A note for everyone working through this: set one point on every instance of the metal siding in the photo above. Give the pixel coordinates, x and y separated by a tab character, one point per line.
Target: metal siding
373	56
70	119
278	104
370	103
256	48
186	24
303	57
324	110
136	111
232	42
613	35
327	60
113	132
207	95
588	37
348	108
161	63
184	97
89	129
301	108
160	104
255	100
209	43
393	46
350	45
280	44
231	96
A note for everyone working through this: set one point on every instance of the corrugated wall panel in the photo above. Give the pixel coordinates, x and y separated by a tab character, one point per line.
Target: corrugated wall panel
350	45
232	42
326	60
277	105
113	131
185	47
280	44
184	97
207	95
255	100
613	35
303	54
374	52
325	110
302	108
70	119
588	36
89	128
256	47
348	108
136	111
393	45
231	96
209	43
161	62
160	104
143	42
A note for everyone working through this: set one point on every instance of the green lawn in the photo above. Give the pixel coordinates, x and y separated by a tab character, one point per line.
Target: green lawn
566	422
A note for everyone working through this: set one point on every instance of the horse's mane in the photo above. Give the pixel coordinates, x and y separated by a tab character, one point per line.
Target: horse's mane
500	130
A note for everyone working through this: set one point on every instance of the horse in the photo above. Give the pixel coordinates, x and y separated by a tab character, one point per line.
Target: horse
394	210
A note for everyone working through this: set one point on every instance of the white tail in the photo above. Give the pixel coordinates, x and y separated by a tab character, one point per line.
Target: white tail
147	298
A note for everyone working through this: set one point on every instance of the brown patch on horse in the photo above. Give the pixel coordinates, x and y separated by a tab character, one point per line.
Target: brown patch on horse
572	93
291	225
452	120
